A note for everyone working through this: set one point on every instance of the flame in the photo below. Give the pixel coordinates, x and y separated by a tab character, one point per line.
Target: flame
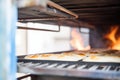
115	42
77	41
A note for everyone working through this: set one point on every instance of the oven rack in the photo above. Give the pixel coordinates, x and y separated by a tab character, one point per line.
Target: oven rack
47	12
78	69
42	11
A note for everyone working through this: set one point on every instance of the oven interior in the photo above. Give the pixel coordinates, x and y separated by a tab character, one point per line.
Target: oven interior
100	17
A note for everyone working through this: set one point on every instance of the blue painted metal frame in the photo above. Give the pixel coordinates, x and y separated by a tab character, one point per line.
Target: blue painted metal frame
8	19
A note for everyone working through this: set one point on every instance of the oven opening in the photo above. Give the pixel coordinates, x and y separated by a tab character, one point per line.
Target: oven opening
80	39
113	37
98	38
105	37
68	39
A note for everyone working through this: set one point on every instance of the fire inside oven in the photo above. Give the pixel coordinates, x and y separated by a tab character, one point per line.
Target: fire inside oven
94	46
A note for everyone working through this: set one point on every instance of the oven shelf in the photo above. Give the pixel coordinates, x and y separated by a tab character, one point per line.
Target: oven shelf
37	11
72	69
77	69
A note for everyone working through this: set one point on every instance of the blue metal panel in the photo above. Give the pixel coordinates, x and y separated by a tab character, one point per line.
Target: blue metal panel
8	18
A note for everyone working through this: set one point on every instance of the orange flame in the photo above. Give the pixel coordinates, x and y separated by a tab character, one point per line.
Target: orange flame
115	42
77	41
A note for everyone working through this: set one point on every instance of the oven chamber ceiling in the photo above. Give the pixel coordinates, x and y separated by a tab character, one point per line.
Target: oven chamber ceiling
95	12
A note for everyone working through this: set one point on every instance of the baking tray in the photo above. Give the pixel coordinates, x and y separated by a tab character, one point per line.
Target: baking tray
32	66
22	59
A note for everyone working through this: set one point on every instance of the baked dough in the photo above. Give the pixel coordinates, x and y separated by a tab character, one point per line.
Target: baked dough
87	56
66	56
104	56
95	58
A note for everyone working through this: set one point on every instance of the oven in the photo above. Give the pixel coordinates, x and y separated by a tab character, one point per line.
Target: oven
100	17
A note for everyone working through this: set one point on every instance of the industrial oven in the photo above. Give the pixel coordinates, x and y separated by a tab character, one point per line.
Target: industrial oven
101	17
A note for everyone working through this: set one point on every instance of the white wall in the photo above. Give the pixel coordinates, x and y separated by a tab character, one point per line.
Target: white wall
42	41
32	42
21	39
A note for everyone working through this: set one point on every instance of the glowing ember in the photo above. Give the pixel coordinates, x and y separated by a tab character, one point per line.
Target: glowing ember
77	41
115	42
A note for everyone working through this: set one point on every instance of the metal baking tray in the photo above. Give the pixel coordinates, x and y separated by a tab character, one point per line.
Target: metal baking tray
22	59
80	69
